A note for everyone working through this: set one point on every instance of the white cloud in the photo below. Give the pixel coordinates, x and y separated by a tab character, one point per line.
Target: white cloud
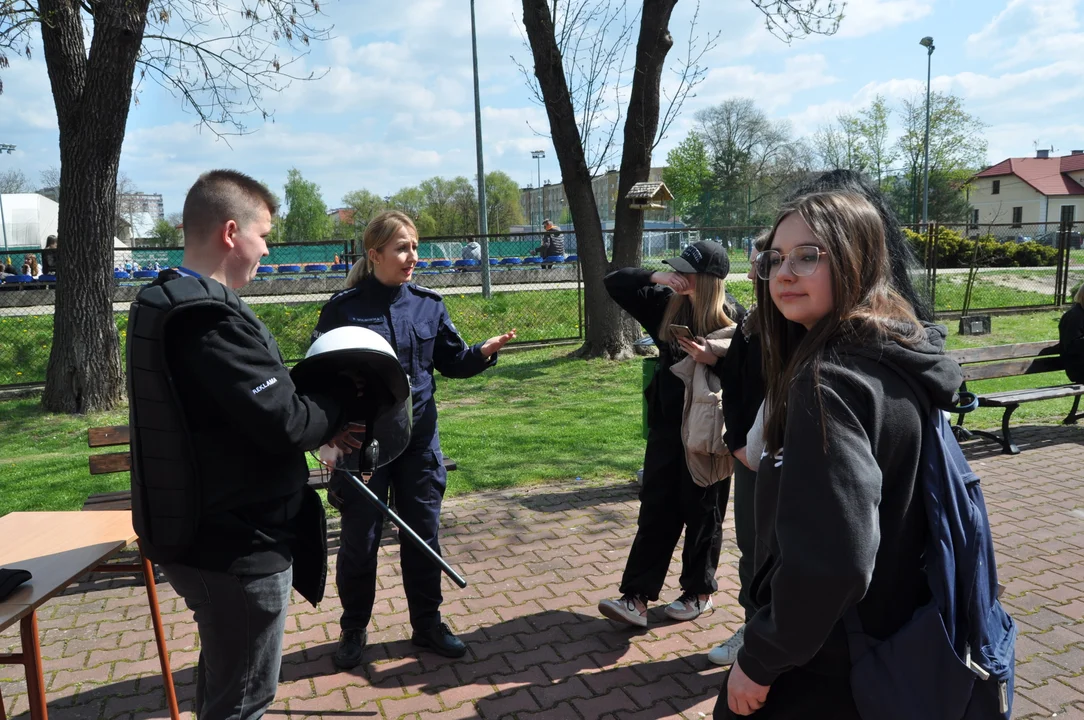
1027	31
869	17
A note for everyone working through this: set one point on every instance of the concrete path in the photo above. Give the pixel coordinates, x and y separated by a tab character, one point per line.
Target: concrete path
538	560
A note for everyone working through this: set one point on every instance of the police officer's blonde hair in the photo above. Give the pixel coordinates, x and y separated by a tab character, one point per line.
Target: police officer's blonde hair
378	233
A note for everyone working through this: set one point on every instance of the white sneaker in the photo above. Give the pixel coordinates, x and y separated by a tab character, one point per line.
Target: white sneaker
727	653
626	609
688	607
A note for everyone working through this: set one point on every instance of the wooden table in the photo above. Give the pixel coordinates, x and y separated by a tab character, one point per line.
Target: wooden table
58	548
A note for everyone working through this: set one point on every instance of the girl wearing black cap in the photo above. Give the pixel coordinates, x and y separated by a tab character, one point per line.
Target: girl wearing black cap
695	297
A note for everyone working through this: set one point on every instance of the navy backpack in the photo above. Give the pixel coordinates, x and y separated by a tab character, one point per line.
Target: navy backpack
954	659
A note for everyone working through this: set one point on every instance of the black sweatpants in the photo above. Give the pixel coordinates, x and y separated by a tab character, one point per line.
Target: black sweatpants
745	534
669	502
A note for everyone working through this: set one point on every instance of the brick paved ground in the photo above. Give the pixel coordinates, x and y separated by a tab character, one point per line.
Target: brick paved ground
538	561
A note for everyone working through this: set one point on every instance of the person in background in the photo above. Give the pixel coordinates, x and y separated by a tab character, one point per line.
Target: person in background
471	251
850	373
553	243
670	500
381	297
1071	334
49	255
30	265
743	391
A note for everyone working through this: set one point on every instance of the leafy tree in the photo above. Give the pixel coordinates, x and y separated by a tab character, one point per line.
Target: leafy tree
502	201
217	58
957	144
14	181
307	219
873	127
165	234
365	205
688	175
841	144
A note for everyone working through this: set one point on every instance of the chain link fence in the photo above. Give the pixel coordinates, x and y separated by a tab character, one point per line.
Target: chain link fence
965	269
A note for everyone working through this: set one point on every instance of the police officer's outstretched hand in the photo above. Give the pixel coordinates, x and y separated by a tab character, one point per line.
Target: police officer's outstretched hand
494	344
347	441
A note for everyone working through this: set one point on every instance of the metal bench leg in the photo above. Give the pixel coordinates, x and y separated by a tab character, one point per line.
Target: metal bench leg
1005	439
1073	415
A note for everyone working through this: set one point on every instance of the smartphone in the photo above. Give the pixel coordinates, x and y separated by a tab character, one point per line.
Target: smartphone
681	331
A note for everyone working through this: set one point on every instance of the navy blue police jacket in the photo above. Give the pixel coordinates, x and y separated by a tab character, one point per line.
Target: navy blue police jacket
415	322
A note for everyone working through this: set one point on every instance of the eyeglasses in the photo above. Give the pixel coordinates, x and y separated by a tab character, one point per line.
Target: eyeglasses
803	261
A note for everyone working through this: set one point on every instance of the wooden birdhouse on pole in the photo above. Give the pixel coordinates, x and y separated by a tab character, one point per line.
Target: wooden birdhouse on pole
649	196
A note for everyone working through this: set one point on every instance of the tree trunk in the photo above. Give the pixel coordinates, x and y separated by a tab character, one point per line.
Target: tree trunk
92	93
604	334
641	126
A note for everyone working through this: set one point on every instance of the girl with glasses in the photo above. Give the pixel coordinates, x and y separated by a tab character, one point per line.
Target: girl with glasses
849	370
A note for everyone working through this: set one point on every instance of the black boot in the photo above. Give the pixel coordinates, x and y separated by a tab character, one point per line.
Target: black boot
351	646
439	639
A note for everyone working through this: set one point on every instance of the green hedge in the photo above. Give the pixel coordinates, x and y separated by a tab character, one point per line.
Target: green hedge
954	251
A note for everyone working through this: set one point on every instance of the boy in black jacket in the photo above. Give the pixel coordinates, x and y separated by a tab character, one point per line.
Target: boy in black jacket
219	480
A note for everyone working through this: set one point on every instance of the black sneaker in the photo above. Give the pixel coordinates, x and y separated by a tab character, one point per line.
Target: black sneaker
440	640
351	646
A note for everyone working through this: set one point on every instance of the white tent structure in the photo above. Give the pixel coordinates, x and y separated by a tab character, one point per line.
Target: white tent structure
29	219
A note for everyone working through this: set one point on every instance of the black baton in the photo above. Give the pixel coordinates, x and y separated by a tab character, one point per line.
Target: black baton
403	527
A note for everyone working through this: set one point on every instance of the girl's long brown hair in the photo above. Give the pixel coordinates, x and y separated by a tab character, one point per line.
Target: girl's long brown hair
704	313
866	306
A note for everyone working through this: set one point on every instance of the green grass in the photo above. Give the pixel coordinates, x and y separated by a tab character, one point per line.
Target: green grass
537	416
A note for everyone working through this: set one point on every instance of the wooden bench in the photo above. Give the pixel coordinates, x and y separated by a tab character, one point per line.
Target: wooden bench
1001	361
106	463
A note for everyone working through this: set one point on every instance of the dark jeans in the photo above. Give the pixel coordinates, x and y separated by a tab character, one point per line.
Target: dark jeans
670	501
745	532
799	695
240	619
418	478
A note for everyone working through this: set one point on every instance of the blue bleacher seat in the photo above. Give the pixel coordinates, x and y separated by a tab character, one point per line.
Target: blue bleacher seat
493	261
145	274
534	260
289	268
442	263
118	275
572	258
466	262
46	278
340	267
511	261
555	259
316	268
265	269
19	278
421	265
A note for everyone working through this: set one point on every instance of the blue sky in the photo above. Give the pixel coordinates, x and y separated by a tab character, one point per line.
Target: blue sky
396	103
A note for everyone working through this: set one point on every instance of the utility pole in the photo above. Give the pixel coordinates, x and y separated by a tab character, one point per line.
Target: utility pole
538	155
483	220
927	42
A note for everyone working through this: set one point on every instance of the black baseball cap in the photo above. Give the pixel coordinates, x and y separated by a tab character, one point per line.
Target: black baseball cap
702	257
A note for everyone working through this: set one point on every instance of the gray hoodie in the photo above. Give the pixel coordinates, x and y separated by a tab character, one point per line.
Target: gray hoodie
838	520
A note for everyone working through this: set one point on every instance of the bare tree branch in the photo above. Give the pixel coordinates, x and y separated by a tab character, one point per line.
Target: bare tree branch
791	20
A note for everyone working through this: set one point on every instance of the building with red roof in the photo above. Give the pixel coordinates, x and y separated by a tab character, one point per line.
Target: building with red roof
1023	191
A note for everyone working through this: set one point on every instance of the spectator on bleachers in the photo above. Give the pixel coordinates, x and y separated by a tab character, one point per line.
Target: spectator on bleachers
553	243
30	265
1071	332
48	256
472	251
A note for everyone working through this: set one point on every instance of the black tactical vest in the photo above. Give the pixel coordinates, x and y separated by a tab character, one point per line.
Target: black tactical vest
165	482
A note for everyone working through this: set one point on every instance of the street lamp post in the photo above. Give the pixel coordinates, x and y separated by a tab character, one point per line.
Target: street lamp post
538	155
8	149
483	220
926	42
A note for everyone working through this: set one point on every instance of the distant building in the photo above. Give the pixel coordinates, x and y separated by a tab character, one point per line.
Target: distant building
1022	191
550	200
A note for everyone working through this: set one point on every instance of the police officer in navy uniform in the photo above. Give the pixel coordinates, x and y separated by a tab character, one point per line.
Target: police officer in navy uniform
414	320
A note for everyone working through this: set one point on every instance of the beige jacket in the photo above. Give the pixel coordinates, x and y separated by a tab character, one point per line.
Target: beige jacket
707	455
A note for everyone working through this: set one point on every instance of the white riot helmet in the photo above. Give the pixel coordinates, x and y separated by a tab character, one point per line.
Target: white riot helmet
385	406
